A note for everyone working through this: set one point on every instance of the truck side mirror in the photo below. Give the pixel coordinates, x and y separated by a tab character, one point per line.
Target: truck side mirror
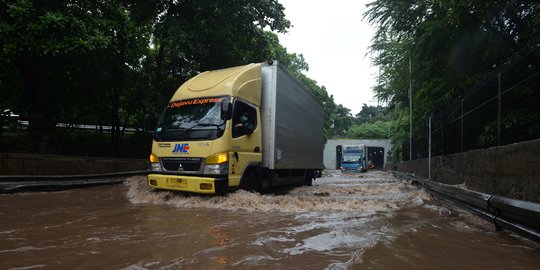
226	111
149	123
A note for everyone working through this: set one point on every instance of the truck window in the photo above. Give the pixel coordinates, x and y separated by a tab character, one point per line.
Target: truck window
352	155
193	119
244	119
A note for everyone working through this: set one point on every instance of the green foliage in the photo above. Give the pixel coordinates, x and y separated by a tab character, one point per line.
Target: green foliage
399	132
391	125
520	119
67	59
370	114
374	130
450	45
372	122
111	63
343	120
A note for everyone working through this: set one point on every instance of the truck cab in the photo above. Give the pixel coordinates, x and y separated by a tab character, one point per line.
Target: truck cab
353	158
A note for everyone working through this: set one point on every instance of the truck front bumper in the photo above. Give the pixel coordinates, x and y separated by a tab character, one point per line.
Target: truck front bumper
196	184
354	169
350	171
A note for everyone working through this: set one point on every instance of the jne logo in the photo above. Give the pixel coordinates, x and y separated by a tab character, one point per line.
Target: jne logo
181	148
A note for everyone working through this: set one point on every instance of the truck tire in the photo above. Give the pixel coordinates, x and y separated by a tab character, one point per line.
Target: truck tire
308	181
250	181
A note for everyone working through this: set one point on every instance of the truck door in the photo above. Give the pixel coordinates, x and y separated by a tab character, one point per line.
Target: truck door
245	141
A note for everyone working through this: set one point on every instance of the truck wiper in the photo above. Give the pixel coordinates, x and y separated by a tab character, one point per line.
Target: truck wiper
163	131
171	129
204	125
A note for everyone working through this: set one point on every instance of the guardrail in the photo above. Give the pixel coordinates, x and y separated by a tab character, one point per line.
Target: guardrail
17	183
523	217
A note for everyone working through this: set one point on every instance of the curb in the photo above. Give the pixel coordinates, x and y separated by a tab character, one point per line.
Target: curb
18	183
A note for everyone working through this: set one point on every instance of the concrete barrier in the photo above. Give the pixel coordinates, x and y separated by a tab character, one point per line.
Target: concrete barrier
32	164
509	171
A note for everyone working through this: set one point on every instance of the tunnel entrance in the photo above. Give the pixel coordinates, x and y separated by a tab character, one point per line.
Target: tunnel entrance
376	156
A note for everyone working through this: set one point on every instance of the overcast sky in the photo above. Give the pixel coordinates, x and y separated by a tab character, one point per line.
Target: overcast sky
334	40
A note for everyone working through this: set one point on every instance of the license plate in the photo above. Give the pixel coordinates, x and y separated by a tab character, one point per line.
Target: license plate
176	182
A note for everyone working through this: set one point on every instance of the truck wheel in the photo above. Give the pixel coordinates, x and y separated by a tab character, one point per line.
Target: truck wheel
250	181
308	181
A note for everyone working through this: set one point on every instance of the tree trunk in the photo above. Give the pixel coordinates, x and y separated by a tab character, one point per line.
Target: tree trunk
124	127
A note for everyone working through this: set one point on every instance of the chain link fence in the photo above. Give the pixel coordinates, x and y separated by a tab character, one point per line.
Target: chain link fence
501	109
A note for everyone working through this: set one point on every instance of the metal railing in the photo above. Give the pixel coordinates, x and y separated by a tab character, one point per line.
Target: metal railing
522	217
18	183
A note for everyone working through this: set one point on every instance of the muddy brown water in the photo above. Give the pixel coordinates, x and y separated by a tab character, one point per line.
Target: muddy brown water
341	222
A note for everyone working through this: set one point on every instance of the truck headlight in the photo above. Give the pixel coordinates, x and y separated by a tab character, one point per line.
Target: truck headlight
218	169
217	164
155	166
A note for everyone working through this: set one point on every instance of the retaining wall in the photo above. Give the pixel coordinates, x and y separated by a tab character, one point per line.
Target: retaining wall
31	164
511	171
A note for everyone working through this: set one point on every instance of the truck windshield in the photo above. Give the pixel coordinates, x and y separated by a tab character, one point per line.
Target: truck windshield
352	157
193	119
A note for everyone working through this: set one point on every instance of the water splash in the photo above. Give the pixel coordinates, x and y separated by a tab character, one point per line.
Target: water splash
335	193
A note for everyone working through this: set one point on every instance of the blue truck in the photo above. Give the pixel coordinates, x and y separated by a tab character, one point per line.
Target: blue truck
354	158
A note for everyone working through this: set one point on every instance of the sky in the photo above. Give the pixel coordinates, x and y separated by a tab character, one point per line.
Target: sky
334	39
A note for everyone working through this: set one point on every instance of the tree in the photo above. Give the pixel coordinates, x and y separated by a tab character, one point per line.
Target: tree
110	63
342	121
370	114
450	45
61	52
187	40
374	130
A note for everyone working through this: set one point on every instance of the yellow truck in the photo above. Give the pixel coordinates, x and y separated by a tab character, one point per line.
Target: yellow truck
251	127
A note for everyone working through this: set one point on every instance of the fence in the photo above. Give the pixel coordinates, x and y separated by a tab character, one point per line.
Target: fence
77	140
501	109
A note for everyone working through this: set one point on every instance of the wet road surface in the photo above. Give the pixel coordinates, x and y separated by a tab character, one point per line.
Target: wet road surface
341	222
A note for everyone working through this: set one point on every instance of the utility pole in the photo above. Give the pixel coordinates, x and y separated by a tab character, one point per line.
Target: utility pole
499	109
410	110
429	148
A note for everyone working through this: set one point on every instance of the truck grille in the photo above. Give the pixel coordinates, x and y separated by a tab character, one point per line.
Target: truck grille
181	164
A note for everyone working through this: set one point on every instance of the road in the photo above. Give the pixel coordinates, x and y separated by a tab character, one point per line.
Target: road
366	221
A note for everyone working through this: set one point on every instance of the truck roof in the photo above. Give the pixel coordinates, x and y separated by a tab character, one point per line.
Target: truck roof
242	81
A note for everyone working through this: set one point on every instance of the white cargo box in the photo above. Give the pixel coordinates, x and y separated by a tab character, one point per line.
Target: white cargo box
292	120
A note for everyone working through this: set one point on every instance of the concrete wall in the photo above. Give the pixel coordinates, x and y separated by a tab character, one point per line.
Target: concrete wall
30	164
330	150
511	171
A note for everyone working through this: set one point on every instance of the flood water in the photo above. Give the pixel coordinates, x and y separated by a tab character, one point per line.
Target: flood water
341	222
